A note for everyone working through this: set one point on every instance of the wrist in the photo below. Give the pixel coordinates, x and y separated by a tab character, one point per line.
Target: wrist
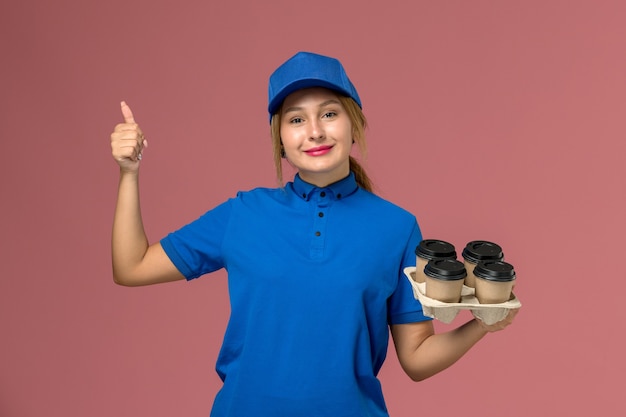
129	173
480	327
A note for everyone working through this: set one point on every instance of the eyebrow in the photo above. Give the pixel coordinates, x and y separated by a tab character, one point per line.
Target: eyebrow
325	103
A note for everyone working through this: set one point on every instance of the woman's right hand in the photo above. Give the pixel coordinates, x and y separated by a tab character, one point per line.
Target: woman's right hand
127	142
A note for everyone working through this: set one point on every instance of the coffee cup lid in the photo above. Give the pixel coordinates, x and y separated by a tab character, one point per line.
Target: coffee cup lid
495	271
445	269
435	249
482	250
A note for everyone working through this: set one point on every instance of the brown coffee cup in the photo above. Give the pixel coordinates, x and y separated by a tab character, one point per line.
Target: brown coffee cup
494	282
444	280
476	251
428	250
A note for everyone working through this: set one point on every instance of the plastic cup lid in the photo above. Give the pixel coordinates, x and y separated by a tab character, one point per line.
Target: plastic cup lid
445	269
435	249
495	271
482	250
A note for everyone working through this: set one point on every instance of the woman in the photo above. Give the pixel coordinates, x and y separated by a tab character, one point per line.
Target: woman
315	268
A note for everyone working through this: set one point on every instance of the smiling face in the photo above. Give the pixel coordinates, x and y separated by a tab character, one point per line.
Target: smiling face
316	133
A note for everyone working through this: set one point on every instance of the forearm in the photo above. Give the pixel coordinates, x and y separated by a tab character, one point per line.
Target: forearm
129	242
439	351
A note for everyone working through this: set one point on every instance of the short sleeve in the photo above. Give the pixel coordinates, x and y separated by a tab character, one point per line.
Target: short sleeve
196	249
403	307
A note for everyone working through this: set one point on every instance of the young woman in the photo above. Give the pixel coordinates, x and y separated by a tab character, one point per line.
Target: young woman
315	268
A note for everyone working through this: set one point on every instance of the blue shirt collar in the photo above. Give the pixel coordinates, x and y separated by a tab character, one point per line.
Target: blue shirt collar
337	190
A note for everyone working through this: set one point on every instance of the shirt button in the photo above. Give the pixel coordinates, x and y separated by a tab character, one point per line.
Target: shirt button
317	233
320	214
323	194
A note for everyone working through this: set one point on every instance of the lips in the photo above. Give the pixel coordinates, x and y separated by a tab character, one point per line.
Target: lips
317	151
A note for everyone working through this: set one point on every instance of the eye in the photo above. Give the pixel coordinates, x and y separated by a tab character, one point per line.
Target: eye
329	114
296	120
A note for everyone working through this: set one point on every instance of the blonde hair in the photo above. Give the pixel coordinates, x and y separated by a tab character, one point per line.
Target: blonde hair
359	123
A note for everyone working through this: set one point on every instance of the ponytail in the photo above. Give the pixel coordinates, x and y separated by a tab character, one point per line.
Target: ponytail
360	175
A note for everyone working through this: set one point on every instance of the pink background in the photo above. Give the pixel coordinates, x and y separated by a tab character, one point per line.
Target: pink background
491	120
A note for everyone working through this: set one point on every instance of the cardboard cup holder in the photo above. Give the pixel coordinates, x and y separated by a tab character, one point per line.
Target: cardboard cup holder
446	312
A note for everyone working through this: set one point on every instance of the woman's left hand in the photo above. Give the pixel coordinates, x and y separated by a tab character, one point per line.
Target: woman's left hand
501	324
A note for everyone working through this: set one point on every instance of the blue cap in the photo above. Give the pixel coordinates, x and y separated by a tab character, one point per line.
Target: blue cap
306	70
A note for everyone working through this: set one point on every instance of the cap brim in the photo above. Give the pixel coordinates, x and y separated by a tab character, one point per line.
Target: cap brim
300	84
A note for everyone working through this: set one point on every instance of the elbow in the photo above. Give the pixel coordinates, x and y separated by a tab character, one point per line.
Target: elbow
124	280
120	281
417	376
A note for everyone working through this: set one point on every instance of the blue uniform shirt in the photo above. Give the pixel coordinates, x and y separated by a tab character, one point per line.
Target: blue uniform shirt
315	276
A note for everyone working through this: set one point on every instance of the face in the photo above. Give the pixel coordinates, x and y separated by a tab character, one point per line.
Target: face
317	135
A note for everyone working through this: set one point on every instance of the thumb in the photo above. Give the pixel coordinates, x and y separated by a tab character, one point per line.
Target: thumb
127	113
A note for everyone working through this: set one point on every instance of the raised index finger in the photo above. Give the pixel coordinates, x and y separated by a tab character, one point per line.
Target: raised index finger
127	113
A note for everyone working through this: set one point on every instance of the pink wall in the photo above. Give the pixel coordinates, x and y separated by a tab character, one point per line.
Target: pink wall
515	108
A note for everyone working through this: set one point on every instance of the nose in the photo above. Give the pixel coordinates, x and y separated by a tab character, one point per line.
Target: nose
316	130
